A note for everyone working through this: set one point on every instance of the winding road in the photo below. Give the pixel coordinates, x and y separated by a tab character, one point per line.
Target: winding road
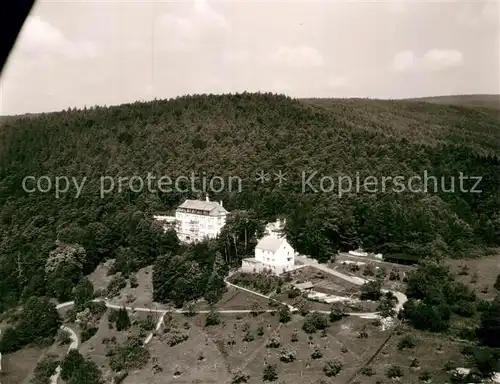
309	262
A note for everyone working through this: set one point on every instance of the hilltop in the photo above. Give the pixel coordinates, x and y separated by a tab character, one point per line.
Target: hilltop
489	104
239	135
487	101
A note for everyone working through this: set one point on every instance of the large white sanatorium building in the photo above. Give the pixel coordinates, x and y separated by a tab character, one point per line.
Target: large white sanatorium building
197	220
272	253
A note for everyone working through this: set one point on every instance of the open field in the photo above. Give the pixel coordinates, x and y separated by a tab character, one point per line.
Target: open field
208	357
18	367
479	273
432	352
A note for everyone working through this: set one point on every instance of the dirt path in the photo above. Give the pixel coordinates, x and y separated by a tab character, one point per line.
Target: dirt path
74	345
352	279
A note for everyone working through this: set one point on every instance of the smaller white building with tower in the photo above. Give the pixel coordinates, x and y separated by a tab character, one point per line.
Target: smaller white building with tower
273	253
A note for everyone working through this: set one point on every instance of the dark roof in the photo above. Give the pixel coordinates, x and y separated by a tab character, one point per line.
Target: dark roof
213	207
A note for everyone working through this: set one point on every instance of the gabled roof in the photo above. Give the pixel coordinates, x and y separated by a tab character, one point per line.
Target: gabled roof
213	207
270	243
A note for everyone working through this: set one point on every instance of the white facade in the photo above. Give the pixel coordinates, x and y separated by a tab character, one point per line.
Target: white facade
167	222
273	254
358	252
198	220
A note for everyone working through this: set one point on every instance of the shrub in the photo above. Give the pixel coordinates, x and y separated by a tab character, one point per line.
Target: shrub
369	270
248	337
295	337
256	309
303	305
367	371
394	275
287	355
415	363
260	330
394	371
130	355
87	333
273	342
425	376
116	284
317	353
464	308
363	333
406	342
133	282
293	293
332	368
212	319
176	337
240	378
64	337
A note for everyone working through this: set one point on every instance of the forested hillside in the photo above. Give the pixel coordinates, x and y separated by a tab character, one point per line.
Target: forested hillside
238	135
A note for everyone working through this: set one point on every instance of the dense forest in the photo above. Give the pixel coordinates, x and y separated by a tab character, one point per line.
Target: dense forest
239	135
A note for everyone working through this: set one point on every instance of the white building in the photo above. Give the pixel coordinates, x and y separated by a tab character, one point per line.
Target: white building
167	222
272	254
358	252
199	219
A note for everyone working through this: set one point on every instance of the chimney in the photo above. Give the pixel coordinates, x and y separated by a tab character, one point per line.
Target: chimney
207	198
221	203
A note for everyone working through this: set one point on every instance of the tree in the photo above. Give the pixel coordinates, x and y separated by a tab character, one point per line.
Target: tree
315	321
121	319
332	368
83	295
371	290
303	305
489	329
428	280
212	319
336	314
287	354
270	373
486	361
284	314
317	352
72	363
274	341
176	279
44	370
240	378
240	235
64	268
216	286
427	317
497	283
39	320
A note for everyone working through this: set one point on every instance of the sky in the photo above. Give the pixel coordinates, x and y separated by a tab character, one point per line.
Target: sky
86	53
